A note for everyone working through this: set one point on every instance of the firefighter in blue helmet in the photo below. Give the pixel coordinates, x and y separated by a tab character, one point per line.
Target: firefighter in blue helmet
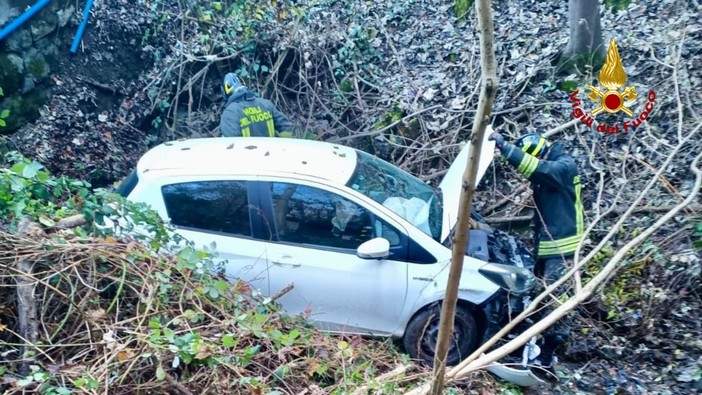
247	115
558	221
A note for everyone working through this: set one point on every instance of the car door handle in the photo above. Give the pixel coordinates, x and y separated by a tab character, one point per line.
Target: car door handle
286	261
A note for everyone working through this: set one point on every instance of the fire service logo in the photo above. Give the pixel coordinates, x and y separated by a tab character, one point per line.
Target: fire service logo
612	100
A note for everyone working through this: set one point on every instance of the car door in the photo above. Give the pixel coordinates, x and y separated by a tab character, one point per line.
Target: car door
223	214
316	232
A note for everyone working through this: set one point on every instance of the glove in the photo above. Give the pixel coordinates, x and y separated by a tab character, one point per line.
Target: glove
498	139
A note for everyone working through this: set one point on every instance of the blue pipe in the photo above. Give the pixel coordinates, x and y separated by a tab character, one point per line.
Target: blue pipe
81	28
23	18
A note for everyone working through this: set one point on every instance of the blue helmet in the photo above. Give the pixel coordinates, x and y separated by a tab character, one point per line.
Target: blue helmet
230	84
533	144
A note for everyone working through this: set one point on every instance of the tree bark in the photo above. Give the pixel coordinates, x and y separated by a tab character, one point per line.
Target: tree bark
585	45
482	117
26	303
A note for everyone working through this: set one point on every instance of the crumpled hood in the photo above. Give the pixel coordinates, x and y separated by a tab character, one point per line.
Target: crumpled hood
451	184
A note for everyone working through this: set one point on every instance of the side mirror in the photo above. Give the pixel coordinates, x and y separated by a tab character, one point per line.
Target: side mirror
377	248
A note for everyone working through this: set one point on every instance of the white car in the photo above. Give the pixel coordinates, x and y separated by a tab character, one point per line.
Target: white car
365	244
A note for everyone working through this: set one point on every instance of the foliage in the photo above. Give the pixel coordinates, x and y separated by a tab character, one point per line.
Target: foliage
617	5
123	289
3	113
462	8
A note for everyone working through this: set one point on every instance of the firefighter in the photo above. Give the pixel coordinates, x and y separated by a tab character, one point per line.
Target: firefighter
558	221
247	115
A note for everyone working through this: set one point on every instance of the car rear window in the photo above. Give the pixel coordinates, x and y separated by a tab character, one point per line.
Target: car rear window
217	206
127	185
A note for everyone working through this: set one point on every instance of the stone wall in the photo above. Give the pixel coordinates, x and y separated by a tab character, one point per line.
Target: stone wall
27	56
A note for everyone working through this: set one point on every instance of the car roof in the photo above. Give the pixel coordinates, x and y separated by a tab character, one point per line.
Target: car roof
250	155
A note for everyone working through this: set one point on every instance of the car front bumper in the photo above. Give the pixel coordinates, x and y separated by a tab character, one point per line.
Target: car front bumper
498	310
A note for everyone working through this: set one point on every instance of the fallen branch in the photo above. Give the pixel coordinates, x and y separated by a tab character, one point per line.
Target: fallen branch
504	200
282	292
508	220
70	222
180	388
383	378
617	211
560	128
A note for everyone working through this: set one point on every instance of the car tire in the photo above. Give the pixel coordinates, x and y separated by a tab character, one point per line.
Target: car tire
421	333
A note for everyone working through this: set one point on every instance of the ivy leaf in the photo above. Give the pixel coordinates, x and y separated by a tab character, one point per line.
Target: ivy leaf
228	341
160	373
221	285
5	113
31	169
2	123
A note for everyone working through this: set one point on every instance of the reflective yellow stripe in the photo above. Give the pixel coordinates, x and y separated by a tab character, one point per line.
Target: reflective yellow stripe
559	242
524	163
526	146
561	246
579	224
539	146
528	165
246	132
532	167
271	128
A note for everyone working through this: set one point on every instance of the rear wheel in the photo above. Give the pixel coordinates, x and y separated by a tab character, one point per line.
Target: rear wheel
423	330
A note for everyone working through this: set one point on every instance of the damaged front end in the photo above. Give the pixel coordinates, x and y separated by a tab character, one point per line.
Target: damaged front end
510	265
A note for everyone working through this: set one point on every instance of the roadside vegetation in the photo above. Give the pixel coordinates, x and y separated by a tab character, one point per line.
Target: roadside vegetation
396	79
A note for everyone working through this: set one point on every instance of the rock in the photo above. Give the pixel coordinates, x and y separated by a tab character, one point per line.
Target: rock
37	66
42	24
11	72
28	85
48	48
19	40
64	15
24	108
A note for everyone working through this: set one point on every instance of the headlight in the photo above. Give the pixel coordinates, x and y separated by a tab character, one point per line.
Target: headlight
517	280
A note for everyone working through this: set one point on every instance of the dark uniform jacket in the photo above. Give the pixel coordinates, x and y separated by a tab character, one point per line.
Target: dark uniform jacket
247	115
556	185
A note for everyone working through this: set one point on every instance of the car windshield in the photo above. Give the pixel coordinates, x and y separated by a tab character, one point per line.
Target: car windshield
401	192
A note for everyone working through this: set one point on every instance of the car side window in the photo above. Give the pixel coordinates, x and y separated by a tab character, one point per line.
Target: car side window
309	215
218	206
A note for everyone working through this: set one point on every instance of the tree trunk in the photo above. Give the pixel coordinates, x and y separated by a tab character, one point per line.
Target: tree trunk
488	76
585	46
26	303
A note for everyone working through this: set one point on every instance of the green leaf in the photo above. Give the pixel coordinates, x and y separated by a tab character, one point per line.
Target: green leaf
160	373
221	285
31	169
2	123
229	341
63	391
217	5
5	113
1	92
17	168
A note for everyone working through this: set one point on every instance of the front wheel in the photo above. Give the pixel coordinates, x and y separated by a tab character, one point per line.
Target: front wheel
423	330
